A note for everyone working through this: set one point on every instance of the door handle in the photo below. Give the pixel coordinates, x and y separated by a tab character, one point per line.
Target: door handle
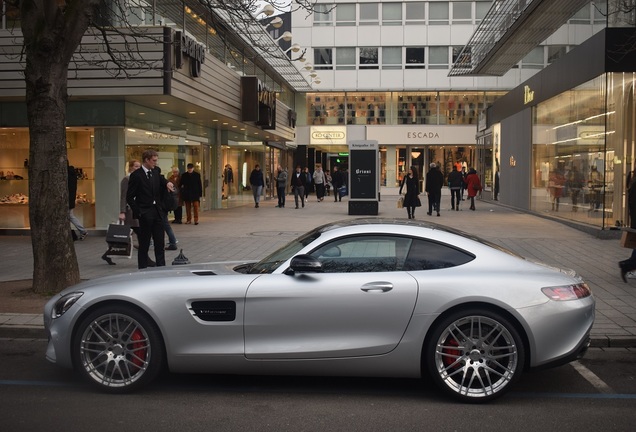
377	287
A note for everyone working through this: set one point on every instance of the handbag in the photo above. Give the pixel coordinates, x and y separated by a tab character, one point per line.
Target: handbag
400	202
418	203
119	239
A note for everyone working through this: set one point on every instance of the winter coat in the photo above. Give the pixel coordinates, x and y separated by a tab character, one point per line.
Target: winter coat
473	185
191	188
455	180
434	181
256	178
412	190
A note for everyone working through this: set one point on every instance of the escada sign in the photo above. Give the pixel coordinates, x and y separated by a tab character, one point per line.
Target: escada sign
189	47
422	135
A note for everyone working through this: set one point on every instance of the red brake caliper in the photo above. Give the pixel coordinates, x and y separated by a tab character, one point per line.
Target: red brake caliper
452	354
140	354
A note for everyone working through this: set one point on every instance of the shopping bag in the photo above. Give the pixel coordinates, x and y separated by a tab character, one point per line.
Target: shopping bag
119	239
342	191
400	202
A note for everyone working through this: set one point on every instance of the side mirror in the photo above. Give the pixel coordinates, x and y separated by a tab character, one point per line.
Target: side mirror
305	264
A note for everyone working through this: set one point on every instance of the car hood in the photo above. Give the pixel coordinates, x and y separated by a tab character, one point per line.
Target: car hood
203	269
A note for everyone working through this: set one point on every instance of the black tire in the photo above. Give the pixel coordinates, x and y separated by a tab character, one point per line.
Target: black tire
474	355
118	349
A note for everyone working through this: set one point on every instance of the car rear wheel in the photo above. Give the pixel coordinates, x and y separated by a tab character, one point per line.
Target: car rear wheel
118	348
475	355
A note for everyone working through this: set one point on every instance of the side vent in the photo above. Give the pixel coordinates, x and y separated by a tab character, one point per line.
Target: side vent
218	310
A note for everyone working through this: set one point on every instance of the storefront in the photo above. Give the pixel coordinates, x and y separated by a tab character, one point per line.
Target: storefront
200	112
567	135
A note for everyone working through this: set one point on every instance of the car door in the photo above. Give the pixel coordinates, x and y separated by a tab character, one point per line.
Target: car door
360	305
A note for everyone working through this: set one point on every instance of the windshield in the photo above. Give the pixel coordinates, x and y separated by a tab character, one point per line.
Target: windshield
274	260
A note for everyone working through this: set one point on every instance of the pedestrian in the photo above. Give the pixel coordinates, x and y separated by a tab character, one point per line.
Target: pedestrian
308	182
497	183
228	179
257	182
464	174
281	185
433	188
574	184
629	264
455	184
473	186
191	192
144	196
328	180
72	194
172	239
337	180
319	182
411	197
175	179
298	183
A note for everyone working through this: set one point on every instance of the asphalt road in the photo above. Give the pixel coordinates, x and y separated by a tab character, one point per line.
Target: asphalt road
596	393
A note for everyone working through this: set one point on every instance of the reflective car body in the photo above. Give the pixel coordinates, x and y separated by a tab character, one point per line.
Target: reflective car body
365	297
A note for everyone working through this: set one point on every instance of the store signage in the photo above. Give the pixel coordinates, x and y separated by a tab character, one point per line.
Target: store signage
327	135
422	135
189	47
258	103
528	95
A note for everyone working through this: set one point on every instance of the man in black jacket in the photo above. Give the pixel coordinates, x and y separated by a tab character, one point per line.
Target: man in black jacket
337	180
146	188
433	188
455	183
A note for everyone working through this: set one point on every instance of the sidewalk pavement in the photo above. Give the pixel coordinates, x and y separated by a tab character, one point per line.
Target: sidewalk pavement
243	232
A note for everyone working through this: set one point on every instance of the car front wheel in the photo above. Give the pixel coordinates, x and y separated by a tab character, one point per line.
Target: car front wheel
475	355
118	348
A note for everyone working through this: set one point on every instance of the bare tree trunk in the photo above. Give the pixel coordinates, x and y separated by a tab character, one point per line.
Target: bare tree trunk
52	32
54	259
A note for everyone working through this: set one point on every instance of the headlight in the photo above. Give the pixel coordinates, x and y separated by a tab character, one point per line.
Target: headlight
567	292
64	304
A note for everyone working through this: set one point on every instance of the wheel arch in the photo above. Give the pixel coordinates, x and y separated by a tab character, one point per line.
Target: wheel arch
482	305
99	305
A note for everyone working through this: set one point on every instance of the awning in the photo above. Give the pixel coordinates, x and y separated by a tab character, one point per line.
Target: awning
509	31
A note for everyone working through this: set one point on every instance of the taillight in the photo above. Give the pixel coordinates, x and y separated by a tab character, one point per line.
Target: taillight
567	292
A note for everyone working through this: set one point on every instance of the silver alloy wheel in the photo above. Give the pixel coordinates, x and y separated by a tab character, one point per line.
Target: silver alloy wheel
476	357
115	350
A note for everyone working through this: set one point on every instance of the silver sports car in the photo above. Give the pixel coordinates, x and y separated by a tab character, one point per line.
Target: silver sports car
365	297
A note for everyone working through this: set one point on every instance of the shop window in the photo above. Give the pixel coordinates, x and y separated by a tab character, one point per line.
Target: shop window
323	58
392	14
417	108
369	14
366	108
345	58
415	58
415	13
368	58
438	13
346	15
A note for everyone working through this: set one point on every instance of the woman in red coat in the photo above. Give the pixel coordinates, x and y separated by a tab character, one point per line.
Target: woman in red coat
473	186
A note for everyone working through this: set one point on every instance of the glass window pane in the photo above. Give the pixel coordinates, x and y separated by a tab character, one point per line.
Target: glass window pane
392	12
582	16
392	56
346	14
323	14
462	11
323	58
481	9
369	12
415	58
438	56
415	11
368	58
534	59
345	58
438	13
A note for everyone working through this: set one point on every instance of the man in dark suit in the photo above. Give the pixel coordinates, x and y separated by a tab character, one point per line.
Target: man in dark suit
146	187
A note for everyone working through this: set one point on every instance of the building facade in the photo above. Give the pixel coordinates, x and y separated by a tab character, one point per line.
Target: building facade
381	70
196	92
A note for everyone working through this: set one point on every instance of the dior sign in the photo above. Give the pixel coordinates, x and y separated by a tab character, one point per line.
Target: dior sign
189	47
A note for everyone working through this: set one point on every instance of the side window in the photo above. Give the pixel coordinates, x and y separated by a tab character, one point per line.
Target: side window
363	254
429	255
